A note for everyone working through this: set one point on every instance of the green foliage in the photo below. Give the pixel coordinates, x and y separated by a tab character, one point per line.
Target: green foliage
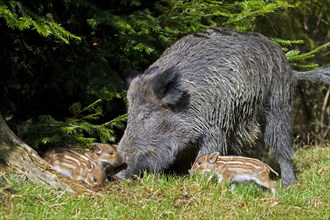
146	32
308	21
248	11
82	128
295	57
45	26
184	17
80	124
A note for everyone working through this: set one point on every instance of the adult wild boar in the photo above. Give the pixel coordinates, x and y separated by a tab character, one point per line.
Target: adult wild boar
209	91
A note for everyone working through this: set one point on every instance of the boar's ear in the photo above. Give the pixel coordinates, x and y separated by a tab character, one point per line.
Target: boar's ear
213	157
166	86
130	74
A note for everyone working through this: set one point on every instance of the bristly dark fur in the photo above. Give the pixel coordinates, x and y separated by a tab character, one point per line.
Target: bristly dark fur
234	87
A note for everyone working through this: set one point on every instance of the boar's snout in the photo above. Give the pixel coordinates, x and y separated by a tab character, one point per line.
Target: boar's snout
141	155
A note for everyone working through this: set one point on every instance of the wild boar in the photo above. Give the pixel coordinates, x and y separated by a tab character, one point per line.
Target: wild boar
206	92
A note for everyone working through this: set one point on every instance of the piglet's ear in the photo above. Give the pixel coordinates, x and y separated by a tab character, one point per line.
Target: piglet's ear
90	166
213	157
97	149
167	87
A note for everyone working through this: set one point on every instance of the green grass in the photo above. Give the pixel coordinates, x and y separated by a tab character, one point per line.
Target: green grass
178	197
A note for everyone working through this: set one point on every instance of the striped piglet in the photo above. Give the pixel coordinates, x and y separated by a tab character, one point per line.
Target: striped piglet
105	155
76	166
235	169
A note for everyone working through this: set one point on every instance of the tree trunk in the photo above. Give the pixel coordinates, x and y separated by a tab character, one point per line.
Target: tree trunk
23	160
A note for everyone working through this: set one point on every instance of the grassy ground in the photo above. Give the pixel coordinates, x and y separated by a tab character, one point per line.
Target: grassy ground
177	197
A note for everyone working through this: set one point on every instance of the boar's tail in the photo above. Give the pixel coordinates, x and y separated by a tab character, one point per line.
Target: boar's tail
317	75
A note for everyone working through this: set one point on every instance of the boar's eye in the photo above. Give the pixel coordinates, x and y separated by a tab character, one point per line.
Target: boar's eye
95	179
199	162
110	153
145	115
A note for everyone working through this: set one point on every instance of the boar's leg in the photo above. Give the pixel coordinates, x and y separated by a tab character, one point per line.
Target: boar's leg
278	132
278	137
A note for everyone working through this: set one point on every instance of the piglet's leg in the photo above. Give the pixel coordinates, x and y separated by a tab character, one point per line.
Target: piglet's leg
220	178
272	186
232	186
209	176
